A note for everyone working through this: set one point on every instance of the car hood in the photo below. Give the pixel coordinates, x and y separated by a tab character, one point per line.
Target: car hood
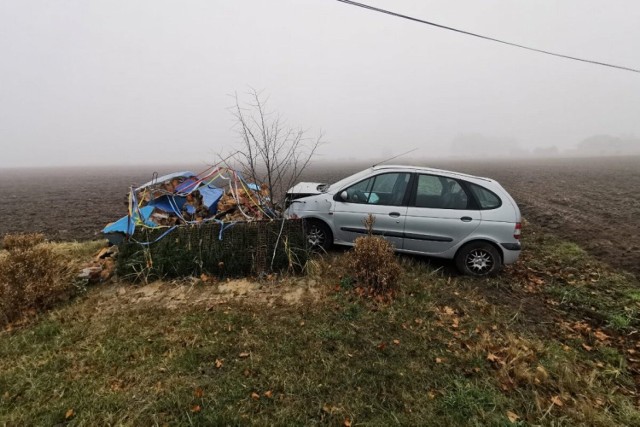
309	188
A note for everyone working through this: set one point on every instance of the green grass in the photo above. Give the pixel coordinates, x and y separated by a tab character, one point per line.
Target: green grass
448	350
580	283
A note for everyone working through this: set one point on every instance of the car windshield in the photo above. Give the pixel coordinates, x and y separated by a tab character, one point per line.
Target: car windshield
340	184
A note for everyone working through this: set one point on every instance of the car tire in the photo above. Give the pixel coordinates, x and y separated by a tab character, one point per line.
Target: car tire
478	259
319	235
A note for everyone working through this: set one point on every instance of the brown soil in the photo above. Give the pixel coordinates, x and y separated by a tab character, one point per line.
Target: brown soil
593	202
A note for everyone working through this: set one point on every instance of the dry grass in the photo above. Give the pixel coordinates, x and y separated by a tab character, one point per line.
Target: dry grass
33	277
373	264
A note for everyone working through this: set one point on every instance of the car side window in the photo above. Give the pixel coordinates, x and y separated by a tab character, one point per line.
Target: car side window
359	193
384	189
439	192
487	199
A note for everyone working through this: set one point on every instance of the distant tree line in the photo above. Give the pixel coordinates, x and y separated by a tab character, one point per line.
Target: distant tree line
475	145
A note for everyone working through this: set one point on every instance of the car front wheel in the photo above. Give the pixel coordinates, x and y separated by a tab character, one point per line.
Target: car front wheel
319	236
478	259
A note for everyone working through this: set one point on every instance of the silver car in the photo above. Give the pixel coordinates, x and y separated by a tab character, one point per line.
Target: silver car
433	212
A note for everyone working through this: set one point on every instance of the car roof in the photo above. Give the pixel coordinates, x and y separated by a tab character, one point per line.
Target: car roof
429	170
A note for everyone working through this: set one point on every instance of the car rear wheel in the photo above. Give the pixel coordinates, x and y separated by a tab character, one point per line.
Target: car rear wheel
319	236
478	259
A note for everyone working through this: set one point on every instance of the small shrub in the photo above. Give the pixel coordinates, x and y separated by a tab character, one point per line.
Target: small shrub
373	264
17	242
32	276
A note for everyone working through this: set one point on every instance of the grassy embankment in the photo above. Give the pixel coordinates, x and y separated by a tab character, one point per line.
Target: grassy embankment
550	341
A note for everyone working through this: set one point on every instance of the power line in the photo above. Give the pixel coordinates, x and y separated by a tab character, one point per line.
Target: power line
444	27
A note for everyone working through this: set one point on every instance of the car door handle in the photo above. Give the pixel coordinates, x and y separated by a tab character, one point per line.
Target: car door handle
466	219
394	214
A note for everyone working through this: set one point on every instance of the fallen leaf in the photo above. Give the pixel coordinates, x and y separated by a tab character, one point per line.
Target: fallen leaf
601	335
381	346
556	401
438	360
455	322
70	413
448	310
268	394
244	355
587	347
219	363
255	396
418	321
396	342
198	392
196	409
541	373
513	417
492	357
347	423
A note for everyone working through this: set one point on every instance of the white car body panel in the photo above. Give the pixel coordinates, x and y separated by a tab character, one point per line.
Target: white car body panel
429	231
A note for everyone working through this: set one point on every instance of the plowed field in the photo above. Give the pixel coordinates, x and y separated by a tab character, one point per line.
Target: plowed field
593	202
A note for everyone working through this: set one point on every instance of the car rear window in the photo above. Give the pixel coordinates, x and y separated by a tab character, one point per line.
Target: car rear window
486	199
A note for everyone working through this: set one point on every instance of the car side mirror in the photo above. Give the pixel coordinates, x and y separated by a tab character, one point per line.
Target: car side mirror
341	197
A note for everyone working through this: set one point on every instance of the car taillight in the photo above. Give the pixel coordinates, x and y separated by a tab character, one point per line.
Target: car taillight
516	232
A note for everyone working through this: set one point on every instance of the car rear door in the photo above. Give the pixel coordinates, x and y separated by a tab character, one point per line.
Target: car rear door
439	216
384	196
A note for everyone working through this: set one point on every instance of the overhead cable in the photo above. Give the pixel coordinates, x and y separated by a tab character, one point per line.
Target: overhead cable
444	27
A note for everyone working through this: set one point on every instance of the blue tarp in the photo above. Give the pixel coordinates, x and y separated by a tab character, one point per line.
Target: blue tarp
175	204
187	186
169	204
171	199
210	197
120	226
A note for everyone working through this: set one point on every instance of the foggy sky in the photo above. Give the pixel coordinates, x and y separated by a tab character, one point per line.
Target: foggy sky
130	82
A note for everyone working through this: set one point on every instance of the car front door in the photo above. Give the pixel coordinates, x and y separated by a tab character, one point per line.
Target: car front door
384	196
439	216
